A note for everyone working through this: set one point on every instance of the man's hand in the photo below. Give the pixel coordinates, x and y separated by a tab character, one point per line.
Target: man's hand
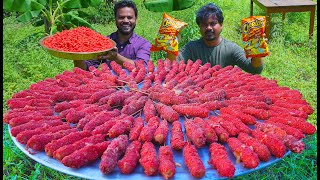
111	55
257	62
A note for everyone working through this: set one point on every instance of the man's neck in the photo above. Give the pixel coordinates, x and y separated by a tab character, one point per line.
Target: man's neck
123	38
216	42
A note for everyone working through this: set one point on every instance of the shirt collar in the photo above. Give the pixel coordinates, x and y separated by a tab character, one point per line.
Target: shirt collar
114	36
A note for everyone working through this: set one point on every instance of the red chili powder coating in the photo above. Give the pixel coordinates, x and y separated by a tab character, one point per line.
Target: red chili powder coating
80	39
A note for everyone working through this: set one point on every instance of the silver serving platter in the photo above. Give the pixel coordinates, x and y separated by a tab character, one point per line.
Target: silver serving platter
92	170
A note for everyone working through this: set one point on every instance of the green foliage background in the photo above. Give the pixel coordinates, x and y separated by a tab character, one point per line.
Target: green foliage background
292	62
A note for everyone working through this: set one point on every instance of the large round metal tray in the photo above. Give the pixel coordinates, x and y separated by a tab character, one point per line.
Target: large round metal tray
92	171
76	55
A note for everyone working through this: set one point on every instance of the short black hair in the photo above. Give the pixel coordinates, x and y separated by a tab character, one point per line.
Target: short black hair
209	10
125	3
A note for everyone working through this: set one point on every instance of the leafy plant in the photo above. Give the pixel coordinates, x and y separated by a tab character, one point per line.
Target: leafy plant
102	14
56	15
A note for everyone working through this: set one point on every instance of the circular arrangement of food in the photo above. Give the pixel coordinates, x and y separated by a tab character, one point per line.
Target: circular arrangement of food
142	116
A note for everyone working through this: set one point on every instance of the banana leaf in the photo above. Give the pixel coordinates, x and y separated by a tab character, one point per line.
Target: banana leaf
77	4
27	16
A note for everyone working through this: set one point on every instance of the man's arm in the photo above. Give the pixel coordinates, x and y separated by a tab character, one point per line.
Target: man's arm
171	57
111	55
80	64
144	52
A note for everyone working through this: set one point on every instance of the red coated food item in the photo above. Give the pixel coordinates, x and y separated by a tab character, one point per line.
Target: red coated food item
160	75
195	133
85	155
69	79
142	72
149	160
117	98
275	146
80	39
289	130
248	103
243	153
260	149
148	130
218	94
167	166
16	121
177	141
160	135
130	67
261	114
24	136
190	110
147	83
136	129
245	118
33	125
168	97
26	111
236	122
105	127
131	158
122	126
150	66
219	160
167	112
134	106
214	105
289	111
22	102
59	107
38	142
304	126
100	118
222	134
69	95
116	67
73	116
95	97
82	122
68	139
68	149
193	161
210	134
149	110
227	125
292	143
95	71
112	154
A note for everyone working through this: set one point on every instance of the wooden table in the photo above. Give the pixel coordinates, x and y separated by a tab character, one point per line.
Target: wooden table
283	6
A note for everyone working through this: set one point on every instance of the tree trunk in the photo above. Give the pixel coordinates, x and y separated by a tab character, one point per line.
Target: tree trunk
47	25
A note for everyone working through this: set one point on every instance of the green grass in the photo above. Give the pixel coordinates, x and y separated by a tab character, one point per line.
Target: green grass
292	62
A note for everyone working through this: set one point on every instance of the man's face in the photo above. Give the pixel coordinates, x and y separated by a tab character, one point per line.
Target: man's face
126	20
210	29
